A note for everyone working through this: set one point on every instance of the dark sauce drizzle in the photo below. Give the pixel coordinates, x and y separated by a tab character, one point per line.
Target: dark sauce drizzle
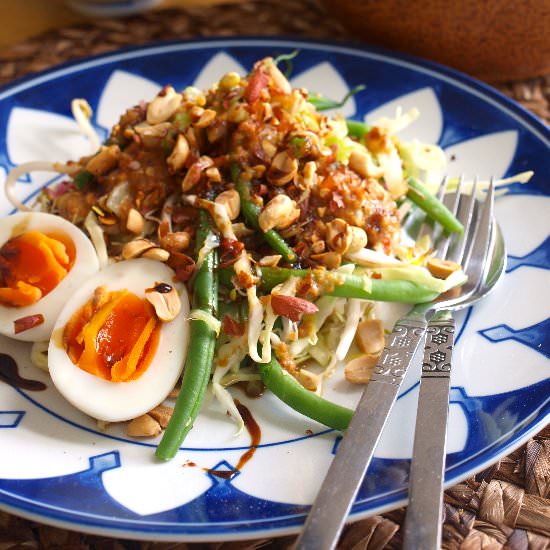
255	435
9	373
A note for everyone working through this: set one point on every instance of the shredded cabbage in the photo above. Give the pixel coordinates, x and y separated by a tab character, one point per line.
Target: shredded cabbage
96	236
39	355
399	122
210	243
208	318
228	358
354	311
422	276
424	162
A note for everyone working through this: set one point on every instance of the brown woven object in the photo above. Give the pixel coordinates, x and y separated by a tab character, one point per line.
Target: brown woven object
505	507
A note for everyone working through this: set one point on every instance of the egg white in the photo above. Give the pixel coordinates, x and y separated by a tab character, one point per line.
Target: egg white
85	265
119	401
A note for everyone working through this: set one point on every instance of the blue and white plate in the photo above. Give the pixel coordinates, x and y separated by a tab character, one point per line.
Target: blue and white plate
56	466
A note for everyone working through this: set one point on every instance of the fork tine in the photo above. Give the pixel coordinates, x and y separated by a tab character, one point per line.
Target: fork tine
465	215
474	261
446	238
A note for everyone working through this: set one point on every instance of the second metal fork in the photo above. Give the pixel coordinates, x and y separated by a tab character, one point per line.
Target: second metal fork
424	514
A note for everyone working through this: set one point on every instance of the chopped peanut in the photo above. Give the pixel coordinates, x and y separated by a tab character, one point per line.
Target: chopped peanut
156	253
358	239
339	235
143	426
163	106
370	336
441	269
280	212
179	154
331	260
231	201
136	248
161	414
270	261
283	169
308	379
135	221
166	301
104	161
359	370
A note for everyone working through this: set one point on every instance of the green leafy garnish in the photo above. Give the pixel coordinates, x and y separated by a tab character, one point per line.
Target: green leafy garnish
322	103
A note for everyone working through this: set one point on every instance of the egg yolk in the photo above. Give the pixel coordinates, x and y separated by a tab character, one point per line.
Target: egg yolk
33	264
113	336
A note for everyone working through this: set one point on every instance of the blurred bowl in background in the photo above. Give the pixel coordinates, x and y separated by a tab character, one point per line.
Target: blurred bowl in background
495	40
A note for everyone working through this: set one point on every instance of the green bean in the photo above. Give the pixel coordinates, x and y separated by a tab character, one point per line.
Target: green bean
251	212
357	129
434	208
198	364
352	286
288	390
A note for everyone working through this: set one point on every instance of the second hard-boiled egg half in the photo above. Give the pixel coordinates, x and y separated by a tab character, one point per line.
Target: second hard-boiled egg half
119	345
44	259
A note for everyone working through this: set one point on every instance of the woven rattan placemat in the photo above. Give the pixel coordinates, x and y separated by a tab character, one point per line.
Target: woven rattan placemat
504	507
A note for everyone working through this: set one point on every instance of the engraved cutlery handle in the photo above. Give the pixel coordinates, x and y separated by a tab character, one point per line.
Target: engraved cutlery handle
424	513
335	498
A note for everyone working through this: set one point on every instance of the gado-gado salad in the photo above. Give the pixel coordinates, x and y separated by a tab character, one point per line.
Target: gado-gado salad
231	236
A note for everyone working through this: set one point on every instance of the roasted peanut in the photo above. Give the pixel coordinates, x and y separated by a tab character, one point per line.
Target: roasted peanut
269	148
161	414
231	201
280	212
167	304
179	154
308	379
359	239
270	261
331	260
143	426
163	106
370	336
104	161
339	235
175	241
213	174
278	79
441	269
156	253
361	162
136	248
359	370
206	118
283	169
135	221
309	174
318	247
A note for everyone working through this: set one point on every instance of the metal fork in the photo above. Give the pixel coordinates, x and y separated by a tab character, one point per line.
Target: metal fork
424	513
339	489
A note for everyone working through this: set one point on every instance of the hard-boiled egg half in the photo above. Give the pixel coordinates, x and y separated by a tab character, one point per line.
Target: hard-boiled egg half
44	259
111	354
